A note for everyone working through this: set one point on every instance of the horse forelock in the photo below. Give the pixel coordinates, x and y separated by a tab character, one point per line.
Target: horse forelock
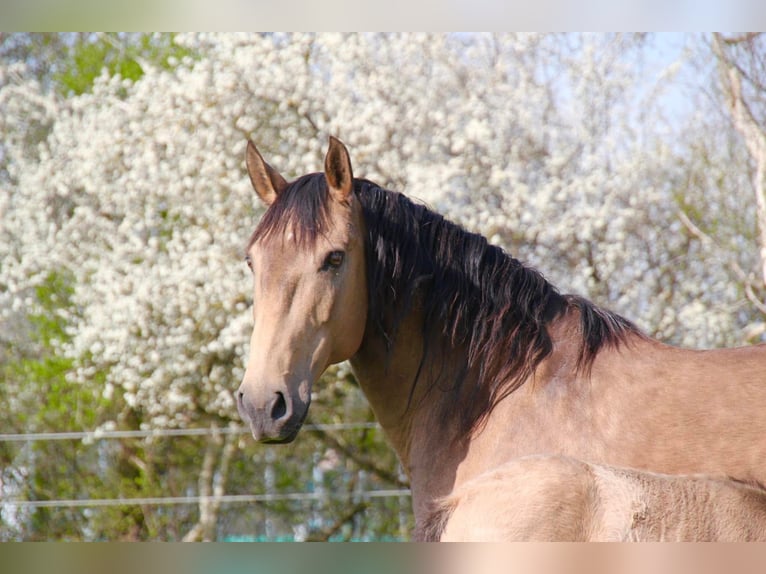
301	208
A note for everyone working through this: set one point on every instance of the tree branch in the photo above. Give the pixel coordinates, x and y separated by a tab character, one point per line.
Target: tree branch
752	133
363	462
746	281
327	533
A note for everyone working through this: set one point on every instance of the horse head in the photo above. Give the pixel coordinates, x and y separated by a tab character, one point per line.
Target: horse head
309	290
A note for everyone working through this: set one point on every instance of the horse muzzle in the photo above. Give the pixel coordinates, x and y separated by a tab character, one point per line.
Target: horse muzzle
274	418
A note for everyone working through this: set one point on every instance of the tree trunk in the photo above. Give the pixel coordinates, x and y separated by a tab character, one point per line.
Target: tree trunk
212	484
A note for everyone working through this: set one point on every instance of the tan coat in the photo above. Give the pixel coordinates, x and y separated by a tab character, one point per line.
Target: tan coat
558	498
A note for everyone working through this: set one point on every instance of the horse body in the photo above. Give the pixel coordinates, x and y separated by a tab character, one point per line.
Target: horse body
467	357
556	498
645	405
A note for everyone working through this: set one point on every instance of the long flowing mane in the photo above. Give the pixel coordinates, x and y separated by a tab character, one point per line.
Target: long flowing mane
475	297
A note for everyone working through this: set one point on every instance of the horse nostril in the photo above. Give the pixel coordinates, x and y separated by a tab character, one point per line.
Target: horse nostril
279	409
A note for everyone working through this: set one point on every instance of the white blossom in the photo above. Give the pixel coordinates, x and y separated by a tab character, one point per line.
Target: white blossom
138	189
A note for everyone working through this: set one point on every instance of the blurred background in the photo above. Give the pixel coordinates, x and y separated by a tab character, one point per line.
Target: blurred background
629	168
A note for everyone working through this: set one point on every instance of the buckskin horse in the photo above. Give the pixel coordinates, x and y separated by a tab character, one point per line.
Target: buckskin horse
468	357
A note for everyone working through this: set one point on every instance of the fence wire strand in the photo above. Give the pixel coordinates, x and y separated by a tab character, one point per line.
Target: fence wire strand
225	498
158	433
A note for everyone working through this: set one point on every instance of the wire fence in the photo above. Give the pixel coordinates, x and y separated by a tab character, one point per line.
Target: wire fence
159	433
226	498
311	501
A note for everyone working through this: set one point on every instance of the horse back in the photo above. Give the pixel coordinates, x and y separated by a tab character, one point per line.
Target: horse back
673	411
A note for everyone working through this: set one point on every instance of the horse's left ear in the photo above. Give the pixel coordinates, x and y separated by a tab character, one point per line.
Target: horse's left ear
337	170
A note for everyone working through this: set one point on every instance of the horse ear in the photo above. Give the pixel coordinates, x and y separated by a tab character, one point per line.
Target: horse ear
266	181
337	170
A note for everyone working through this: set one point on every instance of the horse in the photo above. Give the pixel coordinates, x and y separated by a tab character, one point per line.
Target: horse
467	356
548	497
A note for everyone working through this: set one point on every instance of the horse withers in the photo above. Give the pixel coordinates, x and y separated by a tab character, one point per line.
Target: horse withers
468	357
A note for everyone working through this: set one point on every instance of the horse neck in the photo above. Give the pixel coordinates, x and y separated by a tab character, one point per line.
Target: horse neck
412	420
429	444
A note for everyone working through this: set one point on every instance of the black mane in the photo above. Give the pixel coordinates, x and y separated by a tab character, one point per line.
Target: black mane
475	297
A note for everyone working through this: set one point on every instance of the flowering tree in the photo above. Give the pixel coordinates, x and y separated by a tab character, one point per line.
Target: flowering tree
132	195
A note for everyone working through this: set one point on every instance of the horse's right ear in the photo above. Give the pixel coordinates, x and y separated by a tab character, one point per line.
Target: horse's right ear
267	182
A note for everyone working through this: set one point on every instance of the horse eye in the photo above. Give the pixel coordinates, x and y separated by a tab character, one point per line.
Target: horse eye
249	262
333	260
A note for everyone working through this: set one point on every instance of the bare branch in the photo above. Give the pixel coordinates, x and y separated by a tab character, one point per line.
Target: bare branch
754	137
739	39
329	532
743	277
361	461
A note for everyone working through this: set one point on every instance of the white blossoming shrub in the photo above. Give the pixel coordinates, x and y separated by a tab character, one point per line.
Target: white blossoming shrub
553	146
